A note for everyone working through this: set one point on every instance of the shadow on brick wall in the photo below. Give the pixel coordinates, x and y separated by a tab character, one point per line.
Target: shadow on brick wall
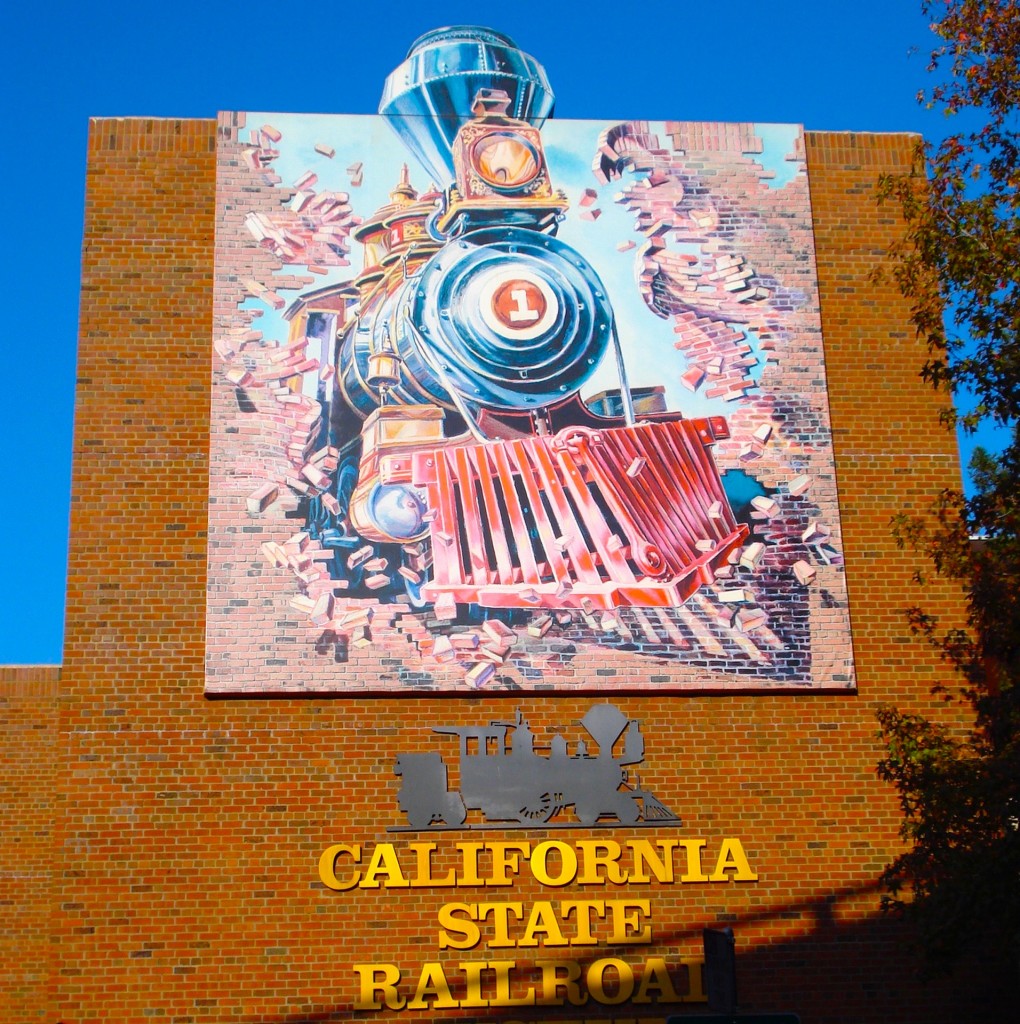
832	973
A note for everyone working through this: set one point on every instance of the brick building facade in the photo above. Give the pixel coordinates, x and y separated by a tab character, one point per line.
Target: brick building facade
161	849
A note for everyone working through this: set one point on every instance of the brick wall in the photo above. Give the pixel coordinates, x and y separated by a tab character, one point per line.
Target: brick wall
28	768
182	881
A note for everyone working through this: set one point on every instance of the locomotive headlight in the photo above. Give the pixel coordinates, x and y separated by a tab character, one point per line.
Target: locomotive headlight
396	510
505	160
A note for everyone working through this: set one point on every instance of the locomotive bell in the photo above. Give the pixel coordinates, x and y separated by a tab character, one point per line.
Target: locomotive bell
383	371
429	97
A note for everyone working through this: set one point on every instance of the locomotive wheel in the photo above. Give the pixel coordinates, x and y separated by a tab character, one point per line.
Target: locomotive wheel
540	808
626	808
455	813
419	818
587	814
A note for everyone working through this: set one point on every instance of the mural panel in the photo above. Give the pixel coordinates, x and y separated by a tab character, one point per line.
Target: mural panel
510	404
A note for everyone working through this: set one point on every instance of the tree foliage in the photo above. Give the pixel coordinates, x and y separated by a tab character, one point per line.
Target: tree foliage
959	265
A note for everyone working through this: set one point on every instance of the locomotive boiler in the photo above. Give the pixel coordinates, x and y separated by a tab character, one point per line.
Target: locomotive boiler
471	473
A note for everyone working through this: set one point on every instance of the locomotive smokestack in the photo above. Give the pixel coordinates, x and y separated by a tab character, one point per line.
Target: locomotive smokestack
431	94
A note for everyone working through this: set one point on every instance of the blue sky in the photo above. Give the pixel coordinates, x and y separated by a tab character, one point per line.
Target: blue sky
828	66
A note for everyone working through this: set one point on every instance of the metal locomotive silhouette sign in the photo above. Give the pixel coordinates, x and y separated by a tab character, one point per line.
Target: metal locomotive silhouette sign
565	423
511	780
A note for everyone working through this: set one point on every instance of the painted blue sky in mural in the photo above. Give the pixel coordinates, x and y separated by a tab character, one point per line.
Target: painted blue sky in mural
791	62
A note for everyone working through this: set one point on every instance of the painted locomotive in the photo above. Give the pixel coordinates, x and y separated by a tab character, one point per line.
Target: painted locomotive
470	471
505	776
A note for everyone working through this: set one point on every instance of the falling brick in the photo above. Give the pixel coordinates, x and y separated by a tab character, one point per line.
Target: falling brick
323	610
323	150
496	653
764	504
443	650
816	533
798	485
258	501
692	378
355	617
540	626
499	631
315	476
804	572
300	201
752	555
748	619
480	673
274	554
736	596
377	582
359	557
